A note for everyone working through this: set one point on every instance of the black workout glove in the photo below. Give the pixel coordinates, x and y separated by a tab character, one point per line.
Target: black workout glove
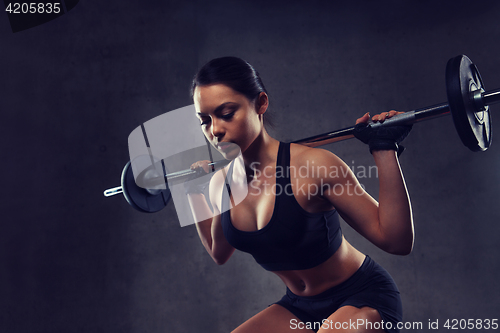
382	138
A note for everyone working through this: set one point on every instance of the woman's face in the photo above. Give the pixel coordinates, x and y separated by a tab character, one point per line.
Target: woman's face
228	119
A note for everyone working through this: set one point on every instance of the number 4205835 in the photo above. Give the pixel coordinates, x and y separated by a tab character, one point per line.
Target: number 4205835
33	8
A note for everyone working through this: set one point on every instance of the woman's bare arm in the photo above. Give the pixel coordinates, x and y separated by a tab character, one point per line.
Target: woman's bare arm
210	228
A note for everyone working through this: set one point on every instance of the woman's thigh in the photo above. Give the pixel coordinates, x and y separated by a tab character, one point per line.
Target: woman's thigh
274	319
350	319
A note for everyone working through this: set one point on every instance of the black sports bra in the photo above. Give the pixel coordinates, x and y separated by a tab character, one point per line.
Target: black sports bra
294	239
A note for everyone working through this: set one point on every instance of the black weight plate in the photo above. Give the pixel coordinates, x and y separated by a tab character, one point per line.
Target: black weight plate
473	124
139	198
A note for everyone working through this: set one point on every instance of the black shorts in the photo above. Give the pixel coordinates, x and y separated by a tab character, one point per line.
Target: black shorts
370	286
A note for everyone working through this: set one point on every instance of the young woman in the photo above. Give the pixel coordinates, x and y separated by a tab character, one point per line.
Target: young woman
289	220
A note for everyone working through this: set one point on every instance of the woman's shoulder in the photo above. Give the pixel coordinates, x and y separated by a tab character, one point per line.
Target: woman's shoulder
309	157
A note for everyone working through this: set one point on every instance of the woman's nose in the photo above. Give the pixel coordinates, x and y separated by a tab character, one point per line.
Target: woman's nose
217	128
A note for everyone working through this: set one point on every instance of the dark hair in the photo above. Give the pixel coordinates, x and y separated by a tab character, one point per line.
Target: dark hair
233	72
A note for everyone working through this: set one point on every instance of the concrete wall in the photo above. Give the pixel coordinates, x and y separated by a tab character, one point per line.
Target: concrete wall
74	88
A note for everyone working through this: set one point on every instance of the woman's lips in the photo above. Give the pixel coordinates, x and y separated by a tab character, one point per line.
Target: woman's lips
225	146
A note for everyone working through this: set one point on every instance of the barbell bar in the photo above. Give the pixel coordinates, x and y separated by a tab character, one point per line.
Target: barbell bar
468	103
409	117
463	103
172	178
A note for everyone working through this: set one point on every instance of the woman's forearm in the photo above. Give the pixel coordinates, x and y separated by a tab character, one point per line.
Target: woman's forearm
203	217
395	215
209	229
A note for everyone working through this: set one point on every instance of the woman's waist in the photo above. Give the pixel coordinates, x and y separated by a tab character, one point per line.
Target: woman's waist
341	266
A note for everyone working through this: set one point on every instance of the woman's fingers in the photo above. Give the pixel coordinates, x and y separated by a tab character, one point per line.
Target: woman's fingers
378	117
201	164
385	115
364	118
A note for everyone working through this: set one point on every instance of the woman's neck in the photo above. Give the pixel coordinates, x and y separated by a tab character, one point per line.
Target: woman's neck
261	152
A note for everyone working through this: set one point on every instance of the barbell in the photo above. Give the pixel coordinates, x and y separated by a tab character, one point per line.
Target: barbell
468	103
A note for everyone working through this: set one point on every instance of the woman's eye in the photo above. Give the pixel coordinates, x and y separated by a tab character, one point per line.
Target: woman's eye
204	122
228	116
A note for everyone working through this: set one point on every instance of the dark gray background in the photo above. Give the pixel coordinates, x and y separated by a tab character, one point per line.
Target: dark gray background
74	88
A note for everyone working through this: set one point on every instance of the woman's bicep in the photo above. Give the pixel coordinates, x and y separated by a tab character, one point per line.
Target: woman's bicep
361	213
358	208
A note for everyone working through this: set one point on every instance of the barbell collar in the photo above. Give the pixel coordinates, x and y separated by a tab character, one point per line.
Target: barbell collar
491	97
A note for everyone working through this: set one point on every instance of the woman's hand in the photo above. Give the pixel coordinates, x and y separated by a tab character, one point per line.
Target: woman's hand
201	164
382	137
196	183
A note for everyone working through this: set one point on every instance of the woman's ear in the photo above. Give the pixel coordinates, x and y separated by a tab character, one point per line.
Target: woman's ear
261	103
